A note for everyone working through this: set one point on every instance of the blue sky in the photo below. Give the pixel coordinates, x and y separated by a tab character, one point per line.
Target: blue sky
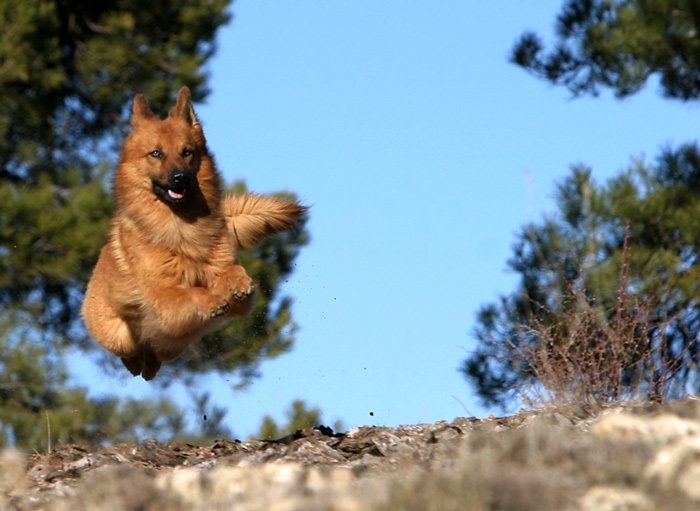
421	150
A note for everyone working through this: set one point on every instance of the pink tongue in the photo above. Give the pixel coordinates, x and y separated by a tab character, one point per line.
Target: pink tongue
175	195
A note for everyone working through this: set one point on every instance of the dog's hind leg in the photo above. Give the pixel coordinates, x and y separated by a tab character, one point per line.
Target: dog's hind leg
108	328
113	333
134	364
151	364
144	363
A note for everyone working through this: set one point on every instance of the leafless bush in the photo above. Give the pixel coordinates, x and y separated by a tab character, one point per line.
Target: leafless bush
586	352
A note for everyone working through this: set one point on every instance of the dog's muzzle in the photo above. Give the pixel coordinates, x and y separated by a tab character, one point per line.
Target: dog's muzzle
175	190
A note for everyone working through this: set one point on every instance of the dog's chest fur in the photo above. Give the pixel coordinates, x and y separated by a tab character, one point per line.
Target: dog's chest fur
187	253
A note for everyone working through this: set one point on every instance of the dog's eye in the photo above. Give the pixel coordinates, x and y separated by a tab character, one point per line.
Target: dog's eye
186	153
155	154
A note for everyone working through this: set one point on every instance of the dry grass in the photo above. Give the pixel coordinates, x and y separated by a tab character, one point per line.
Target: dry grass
538	468
544	466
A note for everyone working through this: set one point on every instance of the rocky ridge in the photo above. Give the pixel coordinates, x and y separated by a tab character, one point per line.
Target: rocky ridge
622	457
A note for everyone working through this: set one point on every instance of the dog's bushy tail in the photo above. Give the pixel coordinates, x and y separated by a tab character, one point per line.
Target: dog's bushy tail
252	217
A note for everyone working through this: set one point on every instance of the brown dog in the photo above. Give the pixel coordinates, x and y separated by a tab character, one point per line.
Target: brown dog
168	273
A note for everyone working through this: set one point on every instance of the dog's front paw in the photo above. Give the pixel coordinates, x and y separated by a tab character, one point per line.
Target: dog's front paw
239	285
236	285
222	309
243	290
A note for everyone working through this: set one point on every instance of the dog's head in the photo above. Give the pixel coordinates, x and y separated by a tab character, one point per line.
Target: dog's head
168	153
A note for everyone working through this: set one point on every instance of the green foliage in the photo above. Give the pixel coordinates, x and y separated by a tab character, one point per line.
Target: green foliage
619	44
571	263
68	73
209	422
298	417
50	236
581	248
39	408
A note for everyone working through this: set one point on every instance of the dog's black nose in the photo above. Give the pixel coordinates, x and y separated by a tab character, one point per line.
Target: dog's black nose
180	178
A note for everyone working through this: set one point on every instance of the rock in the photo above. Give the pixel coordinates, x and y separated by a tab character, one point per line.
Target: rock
606	498
677	466
274	486
660	430
12	475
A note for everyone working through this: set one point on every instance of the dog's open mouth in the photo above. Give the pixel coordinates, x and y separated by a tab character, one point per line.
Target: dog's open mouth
168	193
175	195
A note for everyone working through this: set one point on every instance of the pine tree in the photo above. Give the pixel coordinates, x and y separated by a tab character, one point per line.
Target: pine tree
40	409
620	44
633	241
299	416
68	72
647	219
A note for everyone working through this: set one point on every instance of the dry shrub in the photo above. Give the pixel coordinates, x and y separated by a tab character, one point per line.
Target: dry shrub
585	352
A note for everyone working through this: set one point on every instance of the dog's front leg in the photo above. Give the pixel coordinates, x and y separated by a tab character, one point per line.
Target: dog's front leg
236	284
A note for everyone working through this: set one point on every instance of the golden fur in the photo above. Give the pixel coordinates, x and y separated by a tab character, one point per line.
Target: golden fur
168	273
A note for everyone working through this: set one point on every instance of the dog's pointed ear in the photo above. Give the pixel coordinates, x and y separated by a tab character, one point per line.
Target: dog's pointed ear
184	109
140	111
